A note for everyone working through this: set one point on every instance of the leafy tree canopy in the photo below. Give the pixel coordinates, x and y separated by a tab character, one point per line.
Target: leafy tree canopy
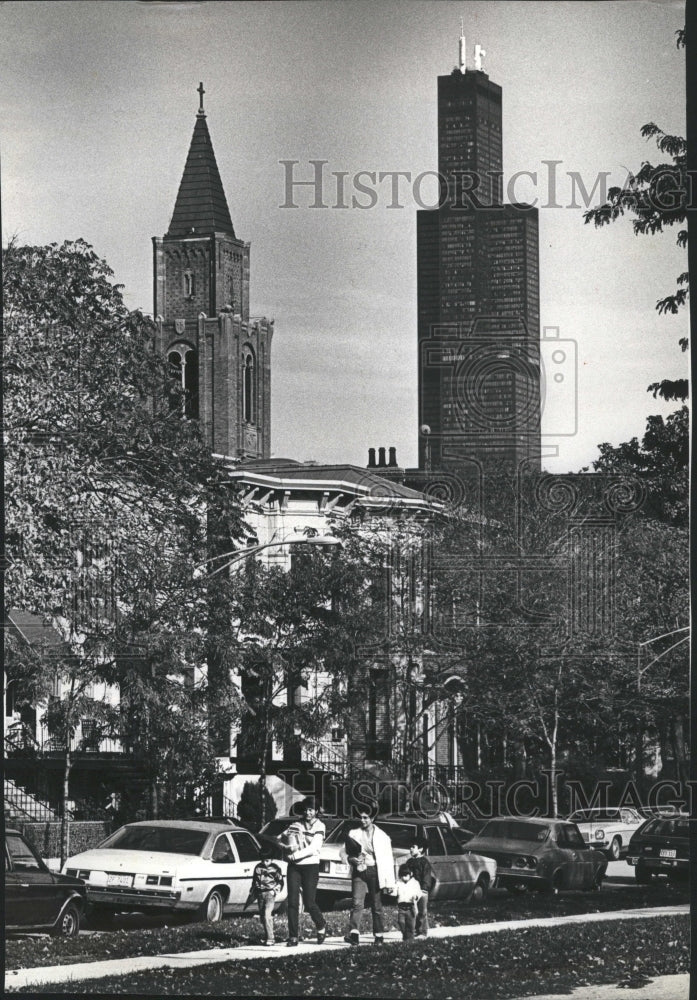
660	461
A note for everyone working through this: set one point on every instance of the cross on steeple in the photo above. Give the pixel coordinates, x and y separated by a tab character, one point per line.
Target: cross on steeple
200	92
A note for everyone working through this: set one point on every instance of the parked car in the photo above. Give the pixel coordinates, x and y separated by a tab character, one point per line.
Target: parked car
459	875
542	854
608	829
661	847
171	865
36	898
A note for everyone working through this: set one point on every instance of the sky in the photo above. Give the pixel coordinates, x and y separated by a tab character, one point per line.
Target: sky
99	103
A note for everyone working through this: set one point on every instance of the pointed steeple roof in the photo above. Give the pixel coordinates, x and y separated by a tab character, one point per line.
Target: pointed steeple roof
201	207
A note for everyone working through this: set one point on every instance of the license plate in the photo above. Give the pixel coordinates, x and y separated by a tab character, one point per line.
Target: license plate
669	854
124	880
339	869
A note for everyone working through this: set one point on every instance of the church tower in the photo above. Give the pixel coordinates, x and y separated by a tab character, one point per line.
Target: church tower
201	307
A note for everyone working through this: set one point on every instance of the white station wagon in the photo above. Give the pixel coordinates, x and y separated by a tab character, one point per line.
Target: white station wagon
171	865
608	829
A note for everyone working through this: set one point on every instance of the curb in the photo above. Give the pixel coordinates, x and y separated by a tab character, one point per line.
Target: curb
21	978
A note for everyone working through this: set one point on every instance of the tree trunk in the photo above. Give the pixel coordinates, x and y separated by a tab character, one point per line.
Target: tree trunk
65	822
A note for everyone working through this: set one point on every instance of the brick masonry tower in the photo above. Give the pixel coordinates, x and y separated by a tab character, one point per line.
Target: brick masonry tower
201	306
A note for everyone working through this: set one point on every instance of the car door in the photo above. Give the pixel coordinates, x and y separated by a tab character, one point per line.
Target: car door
578	861
453	869
32	893
247	851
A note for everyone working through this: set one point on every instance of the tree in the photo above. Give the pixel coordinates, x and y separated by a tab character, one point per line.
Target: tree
657	197
297	638
661	462
108	488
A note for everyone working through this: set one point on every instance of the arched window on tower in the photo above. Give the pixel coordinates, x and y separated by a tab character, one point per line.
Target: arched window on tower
248	386
183	361
189	284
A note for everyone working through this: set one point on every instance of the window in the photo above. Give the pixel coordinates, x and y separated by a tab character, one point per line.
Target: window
10	699
183	362
189	284
23	858
434	841
246	845
569	836
248	387
223	851
452	845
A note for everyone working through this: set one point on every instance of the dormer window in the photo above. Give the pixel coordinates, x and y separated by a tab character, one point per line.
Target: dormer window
189	284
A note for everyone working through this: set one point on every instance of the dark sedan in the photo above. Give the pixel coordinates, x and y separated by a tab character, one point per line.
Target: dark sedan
661	847
38	899
542	854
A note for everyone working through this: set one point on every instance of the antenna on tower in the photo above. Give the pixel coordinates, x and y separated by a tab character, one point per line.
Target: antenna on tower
479	54
463	47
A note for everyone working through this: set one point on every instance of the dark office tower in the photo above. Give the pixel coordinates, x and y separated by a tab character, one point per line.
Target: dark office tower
469	137
478	296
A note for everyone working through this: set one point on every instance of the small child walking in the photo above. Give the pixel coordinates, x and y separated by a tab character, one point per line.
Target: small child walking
408	894
267	881
420	867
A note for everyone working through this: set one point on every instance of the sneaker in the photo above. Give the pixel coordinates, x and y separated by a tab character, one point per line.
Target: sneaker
321	935
268	943
379	940
292	943
421	937
352	939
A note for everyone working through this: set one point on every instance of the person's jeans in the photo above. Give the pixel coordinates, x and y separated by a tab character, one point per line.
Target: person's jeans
305	878
405	919
422	914
362	883
266	901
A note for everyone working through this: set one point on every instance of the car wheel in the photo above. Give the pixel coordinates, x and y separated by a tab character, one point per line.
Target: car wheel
212	908
480	891
69	923
614	849
597	883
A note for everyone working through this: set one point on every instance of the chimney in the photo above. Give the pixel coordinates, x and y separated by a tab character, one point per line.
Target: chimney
393	458
371	458
381	458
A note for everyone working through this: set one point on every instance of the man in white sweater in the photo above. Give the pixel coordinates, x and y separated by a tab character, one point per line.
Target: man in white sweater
368	850
303	840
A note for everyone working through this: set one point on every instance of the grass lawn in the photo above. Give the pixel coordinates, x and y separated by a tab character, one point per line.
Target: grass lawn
134	935
490	967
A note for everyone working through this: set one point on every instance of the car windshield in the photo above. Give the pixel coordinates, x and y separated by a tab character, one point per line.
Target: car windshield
666	828
401	834
515	829
602	815
164	839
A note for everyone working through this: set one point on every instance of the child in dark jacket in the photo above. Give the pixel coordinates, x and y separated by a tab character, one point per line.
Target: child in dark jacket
267	881
420	868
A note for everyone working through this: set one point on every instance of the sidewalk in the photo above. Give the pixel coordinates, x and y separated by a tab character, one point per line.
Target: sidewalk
21	978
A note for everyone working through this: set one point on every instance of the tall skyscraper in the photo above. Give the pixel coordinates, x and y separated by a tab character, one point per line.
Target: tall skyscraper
201	296
478	294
